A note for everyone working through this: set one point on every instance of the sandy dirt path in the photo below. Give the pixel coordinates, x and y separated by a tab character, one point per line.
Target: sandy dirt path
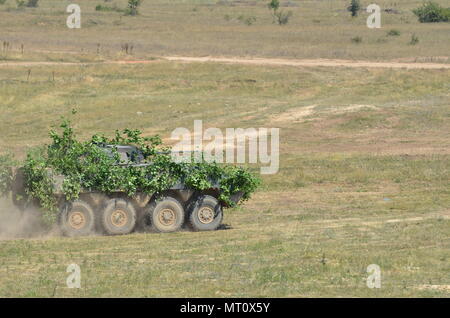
311	63
251	61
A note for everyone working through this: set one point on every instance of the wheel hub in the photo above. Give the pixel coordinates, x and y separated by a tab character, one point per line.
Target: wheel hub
206	215
77	220
119	218
167	217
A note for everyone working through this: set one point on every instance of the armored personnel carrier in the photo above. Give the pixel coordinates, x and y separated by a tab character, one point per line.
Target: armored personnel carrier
115	212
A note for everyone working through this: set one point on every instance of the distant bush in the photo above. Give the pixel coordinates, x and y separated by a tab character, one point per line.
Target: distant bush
393	32
32	3
133	6
414	39
248	20
283	17
20	3
432	12
100	7
127	48
274	5
354	7
357	39
2	2
279	16
107	8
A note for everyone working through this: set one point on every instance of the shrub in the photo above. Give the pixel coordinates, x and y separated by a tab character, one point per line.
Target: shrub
279	16
354	7
20	3
414	39
393	32
2	2
248	20
127	48
432	12
283	17
274	5
357	39
100	7
133	6
32	3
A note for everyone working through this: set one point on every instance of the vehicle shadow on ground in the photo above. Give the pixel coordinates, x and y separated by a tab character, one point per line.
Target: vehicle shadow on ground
224	227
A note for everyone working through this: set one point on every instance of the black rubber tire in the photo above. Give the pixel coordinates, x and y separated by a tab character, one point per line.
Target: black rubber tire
154	215
70	216
118	217
214	213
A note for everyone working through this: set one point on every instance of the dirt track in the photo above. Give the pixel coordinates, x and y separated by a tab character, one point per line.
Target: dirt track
254	61
312	63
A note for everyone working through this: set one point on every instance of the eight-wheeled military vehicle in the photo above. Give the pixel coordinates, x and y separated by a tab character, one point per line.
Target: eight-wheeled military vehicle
117	213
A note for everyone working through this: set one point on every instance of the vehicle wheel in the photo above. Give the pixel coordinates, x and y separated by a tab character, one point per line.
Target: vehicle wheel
77	219
118	217
205	214
165	214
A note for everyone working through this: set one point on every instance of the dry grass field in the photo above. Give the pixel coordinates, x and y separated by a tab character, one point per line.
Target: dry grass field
364	152
317	29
